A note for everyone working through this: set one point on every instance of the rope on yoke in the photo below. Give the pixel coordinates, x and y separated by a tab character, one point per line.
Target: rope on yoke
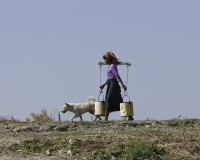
101	91
100	73
125	94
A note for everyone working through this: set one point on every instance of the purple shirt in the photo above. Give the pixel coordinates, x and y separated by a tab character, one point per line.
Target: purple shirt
112	72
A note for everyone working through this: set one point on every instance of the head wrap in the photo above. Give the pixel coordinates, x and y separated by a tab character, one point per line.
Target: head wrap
111	56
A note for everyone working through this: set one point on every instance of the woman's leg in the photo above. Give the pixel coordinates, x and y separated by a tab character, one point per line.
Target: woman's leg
106	115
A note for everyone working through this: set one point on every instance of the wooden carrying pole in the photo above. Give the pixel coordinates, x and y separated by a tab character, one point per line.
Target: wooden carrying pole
121	63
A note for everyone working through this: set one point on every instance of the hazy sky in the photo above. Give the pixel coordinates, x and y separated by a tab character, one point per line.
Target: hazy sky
49	52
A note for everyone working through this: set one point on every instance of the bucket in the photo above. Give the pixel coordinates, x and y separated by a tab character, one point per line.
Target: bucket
126	108
100	107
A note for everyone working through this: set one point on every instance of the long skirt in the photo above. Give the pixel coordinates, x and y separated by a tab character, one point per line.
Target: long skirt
113	96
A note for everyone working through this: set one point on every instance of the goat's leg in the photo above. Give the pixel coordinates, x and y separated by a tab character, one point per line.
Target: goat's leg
81	117
95	118
99	117
75	116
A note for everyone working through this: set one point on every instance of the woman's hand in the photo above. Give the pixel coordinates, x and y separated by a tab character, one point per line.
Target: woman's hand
102	86
124	87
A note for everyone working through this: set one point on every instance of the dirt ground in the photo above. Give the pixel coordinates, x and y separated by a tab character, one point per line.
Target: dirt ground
67	140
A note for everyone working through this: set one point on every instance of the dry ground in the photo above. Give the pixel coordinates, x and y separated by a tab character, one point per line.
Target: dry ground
97	140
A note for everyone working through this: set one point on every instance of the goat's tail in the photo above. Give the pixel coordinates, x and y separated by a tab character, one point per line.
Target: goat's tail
91	98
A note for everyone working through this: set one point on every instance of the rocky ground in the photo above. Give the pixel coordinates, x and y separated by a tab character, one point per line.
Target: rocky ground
82	140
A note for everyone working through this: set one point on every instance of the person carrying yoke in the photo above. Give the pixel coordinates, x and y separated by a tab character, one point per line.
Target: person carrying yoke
113	91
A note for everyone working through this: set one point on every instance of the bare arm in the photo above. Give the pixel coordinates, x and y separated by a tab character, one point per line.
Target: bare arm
103	85
122	84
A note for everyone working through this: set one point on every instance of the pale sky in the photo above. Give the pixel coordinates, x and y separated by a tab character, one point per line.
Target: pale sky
49	52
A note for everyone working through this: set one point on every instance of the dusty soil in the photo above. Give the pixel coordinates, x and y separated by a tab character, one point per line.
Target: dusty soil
180	136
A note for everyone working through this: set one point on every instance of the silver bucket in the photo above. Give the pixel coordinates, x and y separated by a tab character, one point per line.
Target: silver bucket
126	108
100	107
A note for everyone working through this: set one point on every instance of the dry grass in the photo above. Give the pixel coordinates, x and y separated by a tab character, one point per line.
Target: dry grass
42	116
183	144
27	119
181	137
7	119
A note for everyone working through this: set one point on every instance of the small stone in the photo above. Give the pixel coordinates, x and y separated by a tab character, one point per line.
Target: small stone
97	136
113	158
7	127
69	152
148	126
19	150
16	130
60	152
85	136
74	141
48	153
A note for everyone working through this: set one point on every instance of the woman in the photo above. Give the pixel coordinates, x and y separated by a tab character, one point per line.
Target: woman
113	92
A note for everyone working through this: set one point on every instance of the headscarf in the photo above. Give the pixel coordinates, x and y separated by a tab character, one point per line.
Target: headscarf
111	56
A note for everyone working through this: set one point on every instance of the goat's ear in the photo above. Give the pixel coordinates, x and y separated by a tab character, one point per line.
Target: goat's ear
66	104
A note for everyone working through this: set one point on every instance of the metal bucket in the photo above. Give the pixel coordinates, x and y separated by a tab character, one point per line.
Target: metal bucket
100	107
126	108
